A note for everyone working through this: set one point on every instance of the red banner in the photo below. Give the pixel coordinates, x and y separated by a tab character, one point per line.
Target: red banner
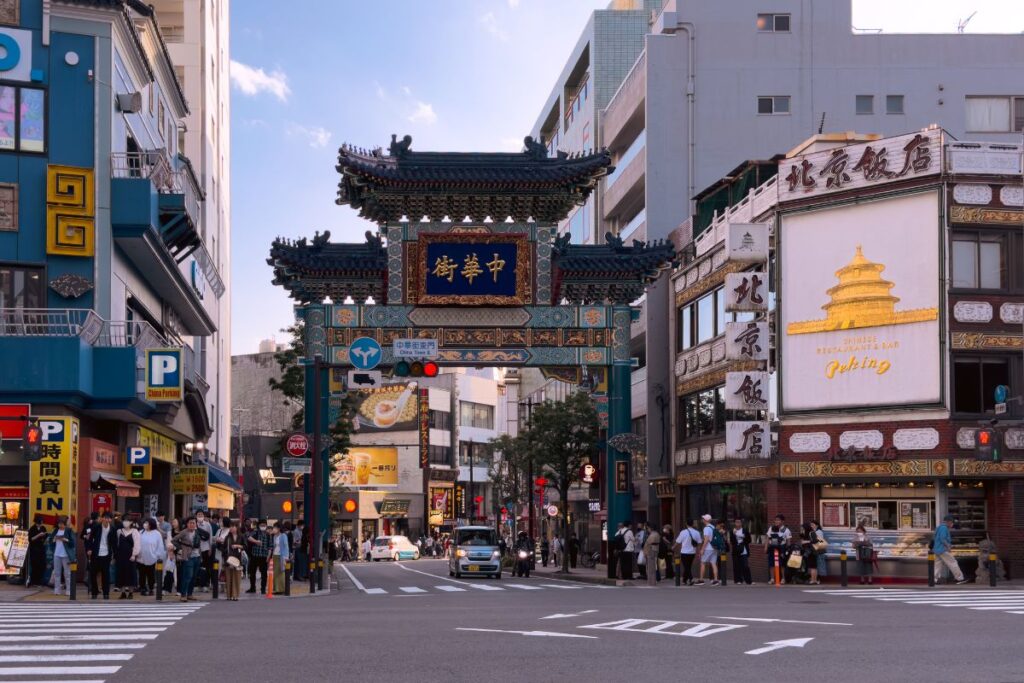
14	429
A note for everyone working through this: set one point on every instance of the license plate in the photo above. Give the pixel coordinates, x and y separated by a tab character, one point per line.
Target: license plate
474	568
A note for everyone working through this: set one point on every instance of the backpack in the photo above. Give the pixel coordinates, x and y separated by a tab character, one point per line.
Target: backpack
663	549
619	542
718	542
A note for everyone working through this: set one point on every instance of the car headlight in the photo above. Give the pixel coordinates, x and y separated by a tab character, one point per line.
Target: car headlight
460	553
496	554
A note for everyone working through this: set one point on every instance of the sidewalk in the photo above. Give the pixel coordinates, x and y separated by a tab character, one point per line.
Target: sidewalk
598	575
10	592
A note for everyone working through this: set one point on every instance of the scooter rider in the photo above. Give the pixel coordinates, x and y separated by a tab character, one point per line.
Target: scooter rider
523	544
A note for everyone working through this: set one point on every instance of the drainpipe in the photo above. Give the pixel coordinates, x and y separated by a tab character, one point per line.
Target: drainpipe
691	95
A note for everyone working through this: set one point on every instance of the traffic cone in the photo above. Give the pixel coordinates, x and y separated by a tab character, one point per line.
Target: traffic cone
270	577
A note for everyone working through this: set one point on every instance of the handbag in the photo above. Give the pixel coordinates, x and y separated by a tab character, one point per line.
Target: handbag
234	562
795	561
820	546
641	558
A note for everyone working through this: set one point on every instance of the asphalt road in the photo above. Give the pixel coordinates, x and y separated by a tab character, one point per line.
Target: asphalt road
411	621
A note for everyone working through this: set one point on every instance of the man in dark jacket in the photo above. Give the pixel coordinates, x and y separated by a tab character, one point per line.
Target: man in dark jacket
739	541
100	547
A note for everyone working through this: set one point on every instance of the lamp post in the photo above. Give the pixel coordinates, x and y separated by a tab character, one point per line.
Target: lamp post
529	466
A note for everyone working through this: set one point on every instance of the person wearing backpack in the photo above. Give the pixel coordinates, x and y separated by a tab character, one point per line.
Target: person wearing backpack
624	545
687	543
708	554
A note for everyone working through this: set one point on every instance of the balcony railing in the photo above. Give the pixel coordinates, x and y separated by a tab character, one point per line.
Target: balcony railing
169	177
82	323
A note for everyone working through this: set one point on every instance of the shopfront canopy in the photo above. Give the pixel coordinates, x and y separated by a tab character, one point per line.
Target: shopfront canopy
222	478
121	486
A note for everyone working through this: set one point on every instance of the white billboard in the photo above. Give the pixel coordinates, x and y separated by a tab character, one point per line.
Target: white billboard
860	305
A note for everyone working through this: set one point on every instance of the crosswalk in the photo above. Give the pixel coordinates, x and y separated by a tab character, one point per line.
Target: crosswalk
465	587
979	599
85	643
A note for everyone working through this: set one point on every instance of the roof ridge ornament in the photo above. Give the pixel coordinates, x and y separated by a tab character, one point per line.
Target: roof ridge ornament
399	149
535	149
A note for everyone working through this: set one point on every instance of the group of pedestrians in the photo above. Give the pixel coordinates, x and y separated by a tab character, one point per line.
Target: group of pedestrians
554	550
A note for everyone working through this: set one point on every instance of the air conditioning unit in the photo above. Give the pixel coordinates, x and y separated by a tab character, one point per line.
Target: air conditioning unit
129	103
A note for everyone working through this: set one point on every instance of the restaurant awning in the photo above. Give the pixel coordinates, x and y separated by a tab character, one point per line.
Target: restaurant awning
121	486
219	476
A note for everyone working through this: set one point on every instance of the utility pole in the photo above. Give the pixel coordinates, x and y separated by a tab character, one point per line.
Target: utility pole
472	500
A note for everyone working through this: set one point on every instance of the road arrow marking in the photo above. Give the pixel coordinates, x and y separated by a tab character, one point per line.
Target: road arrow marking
547	634
784	621
568	616
779	644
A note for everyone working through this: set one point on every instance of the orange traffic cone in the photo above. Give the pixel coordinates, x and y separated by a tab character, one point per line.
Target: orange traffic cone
270	577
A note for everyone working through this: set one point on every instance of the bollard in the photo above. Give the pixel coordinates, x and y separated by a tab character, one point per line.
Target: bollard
72	581
287	578
678	561
775	565
993	564
312	575
723	562
270	576
215	580
843	576
320	574
159	580
931	569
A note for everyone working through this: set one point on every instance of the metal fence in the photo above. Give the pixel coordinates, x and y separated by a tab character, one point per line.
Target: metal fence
78	322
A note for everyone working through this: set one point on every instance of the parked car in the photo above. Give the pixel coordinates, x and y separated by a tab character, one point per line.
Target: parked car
393	548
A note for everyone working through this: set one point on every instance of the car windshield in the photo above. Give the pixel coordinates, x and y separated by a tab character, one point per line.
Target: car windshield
382	540
477	537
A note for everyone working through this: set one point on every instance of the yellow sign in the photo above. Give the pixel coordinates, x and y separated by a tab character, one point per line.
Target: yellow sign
190	479
160	447
70	211
365	467
220	498
53	479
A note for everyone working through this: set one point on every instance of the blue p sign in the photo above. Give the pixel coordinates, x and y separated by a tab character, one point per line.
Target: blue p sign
164	378
138	455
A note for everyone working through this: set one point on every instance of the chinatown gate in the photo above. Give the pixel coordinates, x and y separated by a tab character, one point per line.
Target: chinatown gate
483	272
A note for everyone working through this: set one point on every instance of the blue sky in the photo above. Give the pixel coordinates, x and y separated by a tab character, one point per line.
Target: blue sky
454	74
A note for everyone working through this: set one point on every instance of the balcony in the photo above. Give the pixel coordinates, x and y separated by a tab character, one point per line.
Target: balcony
625	111
625	186
155	215
74	356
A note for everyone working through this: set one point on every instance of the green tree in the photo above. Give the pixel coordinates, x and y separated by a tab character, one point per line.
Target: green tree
562	438
508	471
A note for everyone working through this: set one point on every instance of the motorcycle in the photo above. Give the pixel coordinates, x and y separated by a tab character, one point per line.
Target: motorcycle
522	567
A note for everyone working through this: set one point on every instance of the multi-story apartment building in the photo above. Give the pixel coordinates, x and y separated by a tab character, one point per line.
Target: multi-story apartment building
102	219
894	300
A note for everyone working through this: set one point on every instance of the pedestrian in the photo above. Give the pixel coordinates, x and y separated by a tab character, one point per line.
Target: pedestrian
153	549
232	549
162	525
280	555
170	567
187	543
129	545
36	552
739	541
942	546
365	549
556	551
259	551
218	546
652	543
102	542
545	550
207	532
665	552
624	544
865	554
574	549
687	543
707	552
779	538
640	535
807	540
62	547
819	543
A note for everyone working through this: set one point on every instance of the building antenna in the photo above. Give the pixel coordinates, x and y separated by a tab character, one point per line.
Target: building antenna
821	126
963	22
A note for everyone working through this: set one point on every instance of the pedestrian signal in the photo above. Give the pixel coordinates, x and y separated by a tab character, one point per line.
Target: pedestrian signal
32	442
987	444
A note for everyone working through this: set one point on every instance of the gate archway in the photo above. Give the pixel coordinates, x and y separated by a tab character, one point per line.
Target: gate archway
467	252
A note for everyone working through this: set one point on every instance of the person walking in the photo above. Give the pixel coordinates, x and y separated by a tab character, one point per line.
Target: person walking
545	550
687	542
188	556
37	539
708	554
232	548
153	549
556	551
641	560
259	551
129	545
574	550
942	546
865	554
62	547
163	526
779	538
652	543
739	541
625	544
665	552
281	556
102	542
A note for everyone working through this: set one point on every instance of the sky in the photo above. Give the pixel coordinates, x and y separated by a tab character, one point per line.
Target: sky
457	75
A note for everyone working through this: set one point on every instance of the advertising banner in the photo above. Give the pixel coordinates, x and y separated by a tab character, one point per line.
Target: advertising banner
392	408
53	478
860	305
190	479
19	550
366	467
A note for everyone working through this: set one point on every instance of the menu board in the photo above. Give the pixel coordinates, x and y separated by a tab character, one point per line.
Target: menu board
835	514
866	514
5	549
19	549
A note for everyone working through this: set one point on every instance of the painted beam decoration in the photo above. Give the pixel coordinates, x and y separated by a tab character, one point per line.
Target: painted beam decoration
474	269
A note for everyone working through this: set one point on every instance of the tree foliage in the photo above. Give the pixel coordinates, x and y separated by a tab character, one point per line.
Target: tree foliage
508	473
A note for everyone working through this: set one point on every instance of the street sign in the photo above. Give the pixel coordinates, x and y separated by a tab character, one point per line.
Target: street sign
297	445
165	375
296	465
364	379
1000	408
415	348
365	353
552	510
1001	392
138	455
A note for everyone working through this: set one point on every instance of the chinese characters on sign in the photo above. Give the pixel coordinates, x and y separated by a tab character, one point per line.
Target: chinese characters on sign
189	479
746	390
746	292
414	348
855	166
53	478
474	269
746	341
745	439
621	476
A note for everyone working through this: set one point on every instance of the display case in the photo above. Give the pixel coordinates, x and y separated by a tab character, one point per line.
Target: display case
968	513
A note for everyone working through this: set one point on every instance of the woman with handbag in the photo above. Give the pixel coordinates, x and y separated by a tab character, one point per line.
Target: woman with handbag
232	549
808	538
820	545
865	554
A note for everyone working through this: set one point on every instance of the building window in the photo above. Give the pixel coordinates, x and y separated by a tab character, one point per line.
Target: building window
773	104
579	225
705	319
440	420
773	23
483	453
639	143
476	415
894	104
22	287
865	104
979	261
24	131
995	114
439	455
975	379
702	414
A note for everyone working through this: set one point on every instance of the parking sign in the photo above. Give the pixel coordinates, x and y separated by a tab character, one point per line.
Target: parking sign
138	455
165	376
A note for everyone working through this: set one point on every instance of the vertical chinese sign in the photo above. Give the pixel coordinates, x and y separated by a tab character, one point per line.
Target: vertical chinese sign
424	399
53	478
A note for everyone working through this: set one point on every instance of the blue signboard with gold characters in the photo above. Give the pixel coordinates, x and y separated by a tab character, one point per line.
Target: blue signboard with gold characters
474	269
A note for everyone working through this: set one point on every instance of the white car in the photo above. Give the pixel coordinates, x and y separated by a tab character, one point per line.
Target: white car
393	548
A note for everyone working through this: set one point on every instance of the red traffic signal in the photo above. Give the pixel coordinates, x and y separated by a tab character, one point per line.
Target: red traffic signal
416	368
984	437
350	505
430	369
541	481
478	499
32	441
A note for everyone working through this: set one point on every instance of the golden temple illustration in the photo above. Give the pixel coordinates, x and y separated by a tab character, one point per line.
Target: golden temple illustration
861	299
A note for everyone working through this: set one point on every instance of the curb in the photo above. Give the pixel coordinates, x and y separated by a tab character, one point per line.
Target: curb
583	578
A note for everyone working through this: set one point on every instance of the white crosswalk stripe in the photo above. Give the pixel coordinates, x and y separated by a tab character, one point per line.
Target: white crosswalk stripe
450	589
462	587
411	589
69	643
523	586
980	599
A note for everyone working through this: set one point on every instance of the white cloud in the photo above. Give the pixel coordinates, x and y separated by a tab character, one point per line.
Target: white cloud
381	93
253	81
513	3
490	24
424	113
316	136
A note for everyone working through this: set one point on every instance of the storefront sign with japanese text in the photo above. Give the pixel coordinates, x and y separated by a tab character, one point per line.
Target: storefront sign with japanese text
746	390
190	479
746	341
746	292
53	478
747	439
474	269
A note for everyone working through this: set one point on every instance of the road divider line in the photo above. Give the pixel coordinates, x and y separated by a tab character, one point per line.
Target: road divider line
374	591
783	621
434	576
558	585
56	670
522	586
73	646
485	587
548	634
359	584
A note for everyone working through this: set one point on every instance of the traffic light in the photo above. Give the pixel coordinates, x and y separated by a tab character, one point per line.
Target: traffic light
32	441
286	507
987	444
416	368
350	505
